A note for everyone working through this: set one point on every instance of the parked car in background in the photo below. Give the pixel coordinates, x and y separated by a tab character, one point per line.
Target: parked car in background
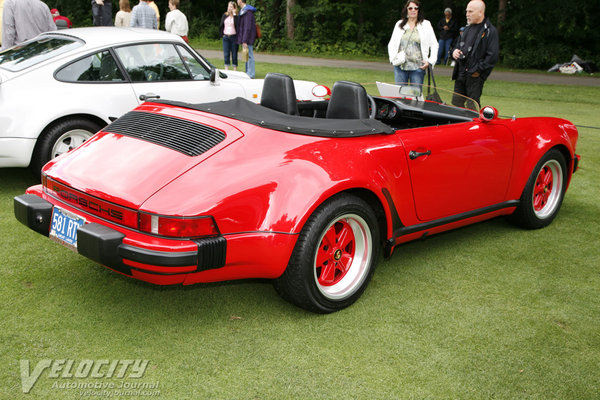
61	87
306	194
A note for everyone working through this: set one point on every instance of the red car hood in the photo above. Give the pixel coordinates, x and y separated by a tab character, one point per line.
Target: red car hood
123	169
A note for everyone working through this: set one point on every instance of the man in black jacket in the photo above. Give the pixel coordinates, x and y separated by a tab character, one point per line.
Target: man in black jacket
475	55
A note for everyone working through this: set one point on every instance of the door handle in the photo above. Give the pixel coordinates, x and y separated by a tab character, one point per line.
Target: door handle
416	154
148	96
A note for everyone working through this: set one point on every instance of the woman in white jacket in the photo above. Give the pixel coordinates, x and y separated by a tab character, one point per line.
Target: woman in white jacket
413	45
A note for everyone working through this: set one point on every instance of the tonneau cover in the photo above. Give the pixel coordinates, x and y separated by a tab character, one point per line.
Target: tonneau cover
247	111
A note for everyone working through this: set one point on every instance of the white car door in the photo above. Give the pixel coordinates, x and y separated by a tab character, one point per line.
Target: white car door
169	72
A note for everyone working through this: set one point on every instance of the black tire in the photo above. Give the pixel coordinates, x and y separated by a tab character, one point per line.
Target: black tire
544	192
60	138
334	258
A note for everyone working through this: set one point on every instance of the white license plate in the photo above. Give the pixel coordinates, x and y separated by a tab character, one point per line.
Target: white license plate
64	227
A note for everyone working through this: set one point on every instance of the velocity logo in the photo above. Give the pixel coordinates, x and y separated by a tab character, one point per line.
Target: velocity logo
84	369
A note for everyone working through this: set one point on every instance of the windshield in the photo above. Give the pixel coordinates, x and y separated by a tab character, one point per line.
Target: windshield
35	51
422	93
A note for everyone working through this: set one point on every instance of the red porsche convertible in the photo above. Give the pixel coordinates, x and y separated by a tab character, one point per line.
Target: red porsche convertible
308	194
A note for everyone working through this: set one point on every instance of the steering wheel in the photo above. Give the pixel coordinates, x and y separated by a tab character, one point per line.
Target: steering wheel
153	75
373	107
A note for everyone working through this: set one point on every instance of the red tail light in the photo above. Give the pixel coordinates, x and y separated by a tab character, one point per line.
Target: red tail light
178	227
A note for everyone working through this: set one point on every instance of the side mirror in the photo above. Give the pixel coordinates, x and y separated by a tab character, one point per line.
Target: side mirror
488	113
214	75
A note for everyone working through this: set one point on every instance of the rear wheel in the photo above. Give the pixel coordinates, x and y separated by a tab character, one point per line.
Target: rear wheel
544	192
60	138
334	257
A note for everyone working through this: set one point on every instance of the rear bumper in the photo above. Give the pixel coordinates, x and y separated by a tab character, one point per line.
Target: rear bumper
105	246
16	152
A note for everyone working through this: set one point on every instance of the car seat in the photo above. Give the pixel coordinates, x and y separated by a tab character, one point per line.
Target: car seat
348	101
279	94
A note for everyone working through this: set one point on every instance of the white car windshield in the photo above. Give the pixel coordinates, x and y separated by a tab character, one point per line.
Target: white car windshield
35	51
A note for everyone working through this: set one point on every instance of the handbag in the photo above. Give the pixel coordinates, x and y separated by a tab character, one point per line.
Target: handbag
435	96
258	31
399	58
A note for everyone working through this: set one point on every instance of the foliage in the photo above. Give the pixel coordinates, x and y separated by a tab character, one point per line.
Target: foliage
539	35
534	34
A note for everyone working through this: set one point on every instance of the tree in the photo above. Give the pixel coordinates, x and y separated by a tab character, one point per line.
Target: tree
289	18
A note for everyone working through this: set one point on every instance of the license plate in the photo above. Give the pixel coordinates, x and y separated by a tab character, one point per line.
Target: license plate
64	227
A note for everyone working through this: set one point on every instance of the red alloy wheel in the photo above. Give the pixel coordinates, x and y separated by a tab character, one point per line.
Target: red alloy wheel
342	260
335	254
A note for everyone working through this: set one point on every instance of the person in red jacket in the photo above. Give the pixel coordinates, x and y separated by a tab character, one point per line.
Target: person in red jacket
60	21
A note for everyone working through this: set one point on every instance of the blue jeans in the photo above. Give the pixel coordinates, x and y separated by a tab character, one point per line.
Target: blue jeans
443	50
230	48
250	63
415	78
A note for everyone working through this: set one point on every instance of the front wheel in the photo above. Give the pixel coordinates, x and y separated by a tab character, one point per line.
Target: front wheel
334	257
544	192
60	138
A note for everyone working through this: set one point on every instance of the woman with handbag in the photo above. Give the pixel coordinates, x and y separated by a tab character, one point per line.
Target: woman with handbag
413	45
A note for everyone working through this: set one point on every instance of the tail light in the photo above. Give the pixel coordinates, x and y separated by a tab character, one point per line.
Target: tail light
178	227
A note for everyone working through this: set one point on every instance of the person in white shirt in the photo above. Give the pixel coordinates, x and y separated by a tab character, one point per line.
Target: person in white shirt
123	17
176	21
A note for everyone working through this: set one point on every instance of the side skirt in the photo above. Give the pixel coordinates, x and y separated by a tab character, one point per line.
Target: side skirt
401	231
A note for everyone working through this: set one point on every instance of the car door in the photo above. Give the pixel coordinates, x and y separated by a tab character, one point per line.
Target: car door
170	72
458	168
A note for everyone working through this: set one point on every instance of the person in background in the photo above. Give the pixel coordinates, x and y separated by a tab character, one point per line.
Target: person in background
102	12
176	21
476	55
247	34
448	29
1	7
228	28
123	17
23	20
60	21
143	16
155	8
414	36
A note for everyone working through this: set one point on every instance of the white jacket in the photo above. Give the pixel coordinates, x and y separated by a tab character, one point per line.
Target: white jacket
429	43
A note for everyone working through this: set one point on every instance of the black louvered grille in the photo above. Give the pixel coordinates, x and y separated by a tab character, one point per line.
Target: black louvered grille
189	138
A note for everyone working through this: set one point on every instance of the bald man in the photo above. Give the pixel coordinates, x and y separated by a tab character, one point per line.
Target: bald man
476	54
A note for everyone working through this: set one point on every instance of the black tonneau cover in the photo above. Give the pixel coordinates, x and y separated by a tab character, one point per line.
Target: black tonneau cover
247	111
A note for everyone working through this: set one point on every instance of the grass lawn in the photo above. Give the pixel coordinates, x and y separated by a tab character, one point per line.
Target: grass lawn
487	311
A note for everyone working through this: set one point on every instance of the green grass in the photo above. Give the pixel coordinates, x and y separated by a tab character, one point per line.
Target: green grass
486	311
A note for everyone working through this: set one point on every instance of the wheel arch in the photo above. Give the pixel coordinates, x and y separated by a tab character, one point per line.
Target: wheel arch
367	196
90	117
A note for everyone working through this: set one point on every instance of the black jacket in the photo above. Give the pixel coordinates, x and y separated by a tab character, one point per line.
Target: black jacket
236	23
484	54
452	28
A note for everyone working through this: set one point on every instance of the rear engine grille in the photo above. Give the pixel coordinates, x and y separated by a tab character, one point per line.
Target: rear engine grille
189	138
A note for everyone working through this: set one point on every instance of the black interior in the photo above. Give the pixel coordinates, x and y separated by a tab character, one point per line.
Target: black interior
345	114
